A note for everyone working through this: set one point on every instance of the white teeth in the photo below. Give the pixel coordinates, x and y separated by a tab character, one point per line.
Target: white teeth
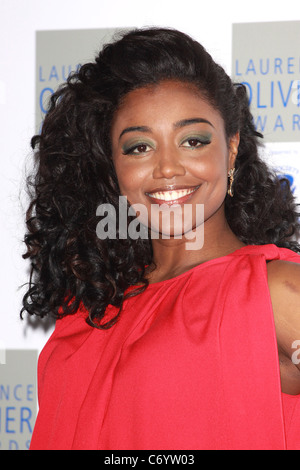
171	195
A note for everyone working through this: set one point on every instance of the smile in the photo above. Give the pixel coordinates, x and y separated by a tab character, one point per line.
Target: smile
173	196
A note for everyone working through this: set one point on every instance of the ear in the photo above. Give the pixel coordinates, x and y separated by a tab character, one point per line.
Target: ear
233	147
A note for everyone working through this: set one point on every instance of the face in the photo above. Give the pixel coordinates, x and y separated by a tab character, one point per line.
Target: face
170	151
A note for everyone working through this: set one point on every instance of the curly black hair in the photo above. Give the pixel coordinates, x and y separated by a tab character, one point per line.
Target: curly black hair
70	265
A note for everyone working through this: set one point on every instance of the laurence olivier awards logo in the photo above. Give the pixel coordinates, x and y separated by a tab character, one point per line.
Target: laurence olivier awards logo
266	58
286	163
18	398
59	53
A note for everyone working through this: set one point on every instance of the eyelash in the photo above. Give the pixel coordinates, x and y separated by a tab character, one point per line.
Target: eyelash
201	142
130	150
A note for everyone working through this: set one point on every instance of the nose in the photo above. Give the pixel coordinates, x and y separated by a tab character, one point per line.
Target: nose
168	164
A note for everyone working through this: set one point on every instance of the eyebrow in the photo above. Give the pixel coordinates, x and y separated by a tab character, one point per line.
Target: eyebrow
177	125
135	128
187	122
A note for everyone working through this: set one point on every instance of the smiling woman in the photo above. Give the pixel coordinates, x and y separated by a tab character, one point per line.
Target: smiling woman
174	158
158	346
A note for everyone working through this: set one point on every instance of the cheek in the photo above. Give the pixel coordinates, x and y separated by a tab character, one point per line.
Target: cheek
130	179
211	169
216	188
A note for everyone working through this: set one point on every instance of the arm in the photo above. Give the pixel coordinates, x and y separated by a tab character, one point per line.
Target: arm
284	284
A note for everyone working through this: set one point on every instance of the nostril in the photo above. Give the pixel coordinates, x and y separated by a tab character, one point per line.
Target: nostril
168	169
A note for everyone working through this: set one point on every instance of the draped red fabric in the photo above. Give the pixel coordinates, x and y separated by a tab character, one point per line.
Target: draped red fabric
191	364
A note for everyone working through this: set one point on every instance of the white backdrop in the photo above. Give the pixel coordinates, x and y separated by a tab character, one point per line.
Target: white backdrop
209	22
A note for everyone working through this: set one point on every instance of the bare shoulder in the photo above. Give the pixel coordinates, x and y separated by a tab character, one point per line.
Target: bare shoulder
284	285
285	273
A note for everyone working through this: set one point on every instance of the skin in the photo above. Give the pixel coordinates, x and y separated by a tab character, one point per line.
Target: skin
169	161
157	146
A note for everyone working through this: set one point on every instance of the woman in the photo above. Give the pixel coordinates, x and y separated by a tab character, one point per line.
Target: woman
159	343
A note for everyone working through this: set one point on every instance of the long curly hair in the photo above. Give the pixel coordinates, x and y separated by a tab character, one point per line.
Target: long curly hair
70	265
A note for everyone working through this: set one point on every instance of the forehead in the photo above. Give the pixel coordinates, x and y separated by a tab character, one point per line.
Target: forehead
162	88
163	102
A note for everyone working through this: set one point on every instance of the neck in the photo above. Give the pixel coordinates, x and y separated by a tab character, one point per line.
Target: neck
172	257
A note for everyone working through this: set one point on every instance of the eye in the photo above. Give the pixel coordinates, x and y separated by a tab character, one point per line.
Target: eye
192	143
137	149
195	142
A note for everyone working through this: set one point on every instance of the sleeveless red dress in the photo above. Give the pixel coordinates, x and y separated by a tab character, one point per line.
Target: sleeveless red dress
191	364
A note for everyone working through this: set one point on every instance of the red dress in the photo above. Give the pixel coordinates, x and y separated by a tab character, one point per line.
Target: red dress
191	364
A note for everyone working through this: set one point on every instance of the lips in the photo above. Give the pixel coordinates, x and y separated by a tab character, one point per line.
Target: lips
172	196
